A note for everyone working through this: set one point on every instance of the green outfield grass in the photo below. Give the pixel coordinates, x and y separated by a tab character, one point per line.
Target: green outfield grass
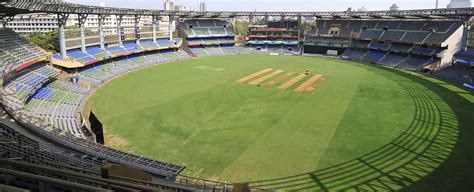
365	127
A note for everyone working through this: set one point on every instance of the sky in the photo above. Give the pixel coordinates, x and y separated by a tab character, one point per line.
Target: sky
275	5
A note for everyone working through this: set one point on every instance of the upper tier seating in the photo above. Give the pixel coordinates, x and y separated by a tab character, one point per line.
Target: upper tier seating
392	35
360	44
423	51
415	37
370	34
379	46
206	27
16	52
207	32
432	32
401	48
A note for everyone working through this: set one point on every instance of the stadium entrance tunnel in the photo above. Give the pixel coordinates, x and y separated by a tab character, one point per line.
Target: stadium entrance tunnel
418	158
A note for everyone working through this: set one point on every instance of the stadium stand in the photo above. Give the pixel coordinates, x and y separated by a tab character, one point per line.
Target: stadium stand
25	149
30	79
277	37
16	53
354	54
415	36
416	40
206	37
414	62
373	56
423	51
392	59
39	99
401	48
95	54
229	50
32	165
457	74
16	108
58	103
465	57
370	34
379	46
360	44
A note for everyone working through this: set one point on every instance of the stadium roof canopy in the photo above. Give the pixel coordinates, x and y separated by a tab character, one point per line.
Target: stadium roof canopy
13	7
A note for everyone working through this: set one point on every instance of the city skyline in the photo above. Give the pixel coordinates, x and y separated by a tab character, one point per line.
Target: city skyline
275	5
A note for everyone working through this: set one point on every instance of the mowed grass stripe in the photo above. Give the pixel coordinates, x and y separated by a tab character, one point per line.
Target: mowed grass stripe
265	77
251	76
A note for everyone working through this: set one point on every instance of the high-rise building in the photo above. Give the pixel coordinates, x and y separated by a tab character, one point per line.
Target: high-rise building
362	9
459	3
168	5
182	8
25	24
394	7
202	6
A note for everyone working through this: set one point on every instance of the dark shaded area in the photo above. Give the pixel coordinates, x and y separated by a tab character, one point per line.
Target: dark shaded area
322	50
96	127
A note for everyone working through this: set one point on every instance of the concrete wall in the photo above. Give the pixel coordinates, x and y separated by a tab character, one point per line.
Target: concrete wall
454	43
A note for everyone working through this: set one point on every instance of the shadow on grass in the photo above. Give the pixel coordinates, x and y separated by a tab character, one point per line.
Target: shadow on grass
435	153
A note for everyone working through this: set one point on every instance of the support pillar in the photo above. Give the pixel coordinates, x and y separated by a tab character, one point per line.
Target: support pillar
62	18
170	27
82	20
137	29
250	19
299	27
101	20
465	34
154	21
120	32
266	18
300	34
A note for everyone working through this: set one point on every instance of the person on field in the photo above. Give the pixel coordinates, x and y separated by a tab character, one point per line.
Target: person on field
307	72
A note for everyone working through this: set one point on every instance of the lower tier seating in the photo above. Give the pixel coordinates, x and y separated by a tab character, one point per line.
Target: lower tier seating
457	74
58	103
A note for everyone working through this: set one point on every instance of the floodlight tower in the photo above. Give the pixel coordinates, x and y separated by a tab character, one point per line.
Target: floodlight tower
437	3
